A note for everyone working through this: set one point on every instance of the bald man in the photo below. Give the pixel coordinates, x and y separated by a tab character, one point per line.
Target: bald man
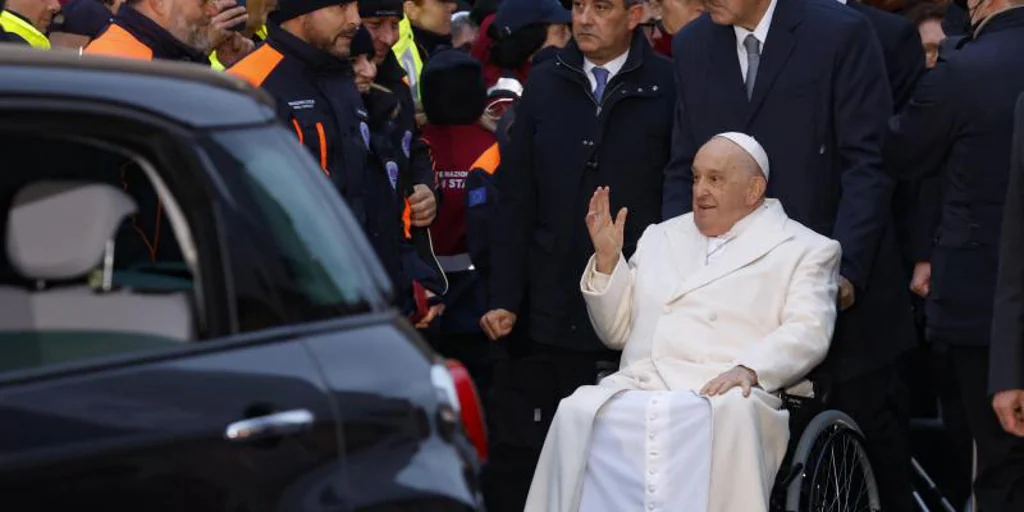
716	310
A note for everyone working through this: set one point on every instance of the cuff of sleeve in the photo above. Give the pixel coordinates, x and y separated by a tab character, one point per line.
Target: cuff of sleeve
596	283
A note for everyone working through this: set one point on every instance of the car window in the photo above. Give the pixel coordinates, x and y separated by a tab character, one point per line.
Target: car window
296	221
91	267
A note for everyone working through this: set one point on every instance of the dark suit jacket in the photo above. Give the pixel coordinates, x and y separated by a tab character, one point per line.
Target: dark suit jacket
958	125
562	148
819	108
904	64
1006	366
901	47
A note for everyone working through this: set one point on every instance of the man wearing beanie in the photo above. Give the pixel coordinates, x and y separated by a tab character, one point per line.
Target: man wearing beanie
381	18
305	66
454	98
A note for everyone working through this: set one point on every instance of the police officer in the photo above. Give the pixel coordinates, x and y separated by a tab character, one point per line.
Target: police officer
382	19
8	37
959	125
29	20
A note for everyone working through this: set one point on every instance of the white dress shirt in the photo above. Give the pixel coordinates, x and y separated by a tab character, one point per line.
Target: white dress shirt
760	32
613	66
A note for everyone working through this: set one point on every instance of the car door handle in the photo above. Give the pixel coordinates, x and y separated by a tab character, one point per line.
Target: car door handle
272	425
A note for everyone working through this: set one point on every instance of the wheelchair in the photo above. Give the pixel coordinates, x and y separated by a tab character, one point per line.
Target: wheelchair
826	467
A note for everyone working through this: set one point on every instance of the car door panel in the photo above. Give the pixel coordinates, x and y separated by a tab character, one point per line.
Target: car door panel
397	446
152	436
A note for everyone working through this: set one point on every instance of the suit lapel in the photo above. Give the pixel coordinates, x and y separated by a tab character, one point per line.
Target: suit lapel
758	239
777	49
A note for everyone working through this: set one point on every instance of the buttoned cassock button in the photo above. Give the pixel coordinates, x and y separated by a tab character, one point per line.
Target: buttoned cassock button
713	316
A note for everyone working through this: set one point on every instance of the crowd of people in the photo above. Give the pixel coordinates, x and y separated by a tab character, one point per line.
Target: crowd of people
483	146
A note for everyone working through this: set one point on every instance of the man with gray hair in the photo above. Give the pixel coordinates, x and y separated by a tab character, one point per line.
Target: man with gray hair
717	310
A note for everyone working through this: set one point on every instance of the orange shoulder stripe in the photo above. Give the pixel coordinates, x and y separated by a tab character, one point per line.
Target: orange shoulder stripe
117	42
489	160
257	66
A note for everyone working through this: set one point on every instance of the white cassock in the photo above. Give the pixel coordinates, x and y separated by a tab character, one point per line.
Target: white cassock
683	310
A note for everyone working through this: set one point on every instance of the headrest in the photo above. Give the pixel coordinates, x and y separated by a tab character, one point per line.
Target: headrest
59	229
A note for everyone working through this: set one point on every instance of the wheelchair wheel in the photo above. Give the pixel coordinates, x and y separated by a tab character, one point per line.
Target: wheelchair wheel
834	473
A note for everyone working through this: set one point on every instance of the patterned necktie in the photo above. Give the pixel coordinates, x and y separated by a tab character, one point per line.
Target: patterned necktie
753	47
601	77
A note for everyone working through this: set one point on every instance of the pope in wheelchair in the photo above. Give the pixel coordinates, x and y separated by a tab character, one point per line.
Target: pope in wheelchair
716	313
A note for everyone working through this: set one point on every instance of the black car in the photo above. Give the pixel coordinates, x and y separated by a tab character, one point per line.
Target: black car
190	318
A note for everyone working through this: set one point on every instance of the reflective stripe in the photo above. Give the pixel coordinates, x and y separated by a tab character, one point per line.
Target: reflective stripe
117	42
407	219
298	130
14	24
456	263
215	62
257	66
323	147
489	160
409	57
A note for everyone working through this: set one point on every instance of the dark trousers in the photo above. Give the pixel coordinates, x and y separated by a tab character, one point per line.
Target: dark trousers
999	481
877	402
525	393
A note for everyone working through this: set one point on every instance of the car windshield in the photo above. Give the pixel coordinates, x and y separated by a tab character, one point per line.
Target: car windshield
311	233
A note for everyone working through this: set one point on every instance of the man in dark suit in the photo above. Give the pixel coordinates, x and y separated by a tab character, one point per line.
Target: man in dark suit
808	80
598	114
1006	370
901	48
964	108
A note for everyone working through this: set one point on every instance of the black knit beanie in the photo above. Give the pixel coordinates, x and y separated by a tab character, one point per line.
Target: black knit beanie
380	8
452	88
291	9
362	43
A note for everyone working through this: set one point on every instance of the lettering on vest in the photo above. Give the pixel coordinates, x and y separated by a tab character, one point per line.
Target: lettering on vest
452	180
302	104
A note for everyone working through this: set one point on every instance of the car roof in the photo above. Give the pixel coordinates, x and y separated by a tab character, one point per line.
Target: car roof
186	93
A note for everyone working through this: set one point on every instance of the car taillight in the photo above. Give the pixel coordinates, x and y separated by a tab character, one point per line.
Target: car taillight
460	390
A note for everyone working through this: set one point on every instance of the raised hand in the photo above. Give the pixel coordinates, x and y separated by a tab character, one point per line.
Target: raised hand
605	233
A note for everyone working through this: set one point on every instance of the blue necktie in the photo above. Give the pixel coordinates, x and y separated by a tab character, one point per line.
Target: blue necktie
601	77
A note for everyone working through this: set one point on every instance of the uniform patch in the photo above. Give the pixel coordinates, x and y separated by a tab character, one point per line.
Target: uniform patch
477	196
392	169
406	143
302	104
365	132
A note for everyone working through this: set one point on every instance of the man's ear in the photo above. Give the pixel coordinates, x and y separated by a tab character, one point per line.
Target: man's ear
757	189
635	14
411	9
